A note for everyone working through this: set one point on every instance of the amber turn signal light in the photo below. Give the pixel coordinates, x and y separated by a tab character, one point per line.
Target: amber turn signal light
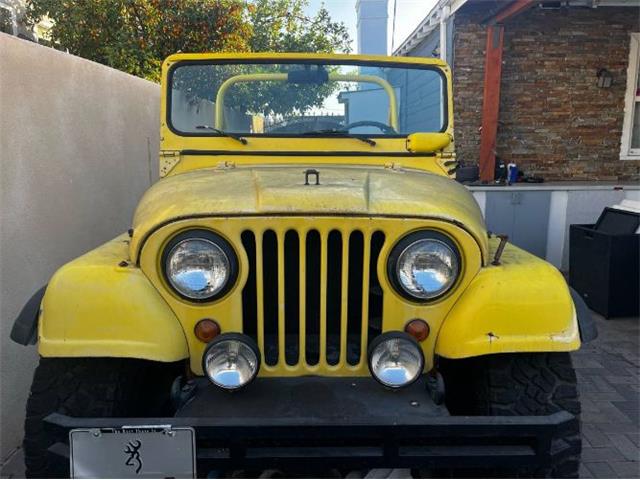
206	330
418	329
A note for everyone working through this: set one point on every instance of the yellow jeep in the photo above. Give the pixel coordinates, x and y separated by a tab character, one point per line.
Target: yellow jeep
307	286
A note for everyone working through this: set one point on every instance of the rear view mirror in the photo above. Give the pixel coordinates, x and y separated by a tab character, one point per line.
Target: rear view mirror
423	142
317	77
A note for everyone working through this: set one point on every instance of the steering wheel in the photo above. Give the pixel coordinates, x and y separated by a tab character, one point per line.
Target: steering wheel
304	126
383	127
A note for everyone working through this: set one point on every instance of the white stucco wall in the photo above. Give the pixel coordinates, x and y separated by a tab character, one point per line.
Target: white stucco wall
78	147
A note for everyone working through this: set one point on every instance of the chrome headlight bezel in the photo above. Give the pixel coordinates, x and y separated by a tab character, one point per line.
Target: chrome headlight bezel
405	243
395	335
211	237
240	338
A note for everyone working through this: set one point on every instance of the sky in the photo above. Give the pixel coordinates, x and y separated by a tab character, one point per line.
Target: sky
409	13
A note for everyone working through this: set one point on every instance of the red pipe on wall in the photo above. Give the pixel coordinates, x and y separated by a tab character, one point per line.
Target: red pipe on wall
491	101
492	77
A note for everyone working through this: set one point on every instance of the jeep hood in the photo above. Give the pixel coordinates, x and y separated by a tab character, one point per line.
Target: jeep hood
282	190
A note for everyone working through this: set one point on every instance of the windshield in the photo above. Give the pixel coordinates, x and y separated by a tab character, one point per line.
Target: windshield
306	98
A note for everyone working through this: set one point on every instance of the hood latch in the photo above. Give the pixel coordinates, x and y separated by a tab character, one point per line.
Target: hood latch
308	173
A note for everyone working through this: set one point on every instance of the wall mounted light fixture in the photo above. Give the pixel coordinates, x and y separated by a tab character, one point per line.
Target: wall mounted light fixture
605	79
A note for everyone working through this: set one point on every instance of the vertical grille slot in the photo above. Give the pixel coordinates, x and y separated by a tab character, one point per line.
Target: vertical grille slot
315	299
249	293
291	296
375	290
354	305
270	282
334	296
312	289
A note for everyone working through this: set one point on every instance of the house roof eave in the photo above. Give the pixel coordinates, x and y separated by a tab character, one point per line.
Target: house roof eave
431	22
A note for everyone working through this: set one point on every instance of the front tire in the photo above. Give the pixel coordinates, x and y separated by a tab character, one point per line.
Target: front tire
90	387
518	384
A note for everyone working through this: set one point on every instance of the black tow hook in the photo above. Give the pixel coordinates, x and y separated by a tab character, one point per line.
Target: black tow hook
182	391
435	387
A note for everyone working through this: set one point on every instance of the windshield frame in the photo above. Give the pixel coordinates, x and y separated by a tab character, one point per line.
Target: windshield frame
276	59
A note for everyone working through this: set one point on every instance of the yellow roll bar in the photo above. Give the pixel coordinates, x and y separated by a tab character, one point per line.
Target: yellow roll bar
282	77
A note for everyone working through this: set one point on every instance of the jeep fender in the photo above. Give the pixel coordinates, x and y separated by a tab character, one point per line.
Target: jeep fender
101	305
521	305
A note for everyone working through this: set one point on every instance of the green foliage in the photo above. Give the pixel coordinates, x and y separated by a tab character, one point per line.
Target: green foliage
256	98
281	26
6	24
136	35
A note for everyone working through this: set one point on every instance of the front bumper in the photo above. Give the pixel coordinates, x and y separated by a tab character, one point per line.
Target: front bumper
312	422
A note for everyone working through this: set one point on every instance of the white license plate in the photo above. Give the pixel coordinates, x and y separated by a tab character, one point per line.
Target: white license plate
133	452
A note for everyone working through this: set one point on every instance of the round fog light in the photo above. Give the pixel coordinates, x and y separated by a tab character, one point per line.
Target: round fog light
231	361
395	359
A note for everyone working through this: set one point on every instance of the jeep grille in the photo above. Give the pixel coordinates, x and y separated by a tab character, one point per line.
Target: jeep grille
312	300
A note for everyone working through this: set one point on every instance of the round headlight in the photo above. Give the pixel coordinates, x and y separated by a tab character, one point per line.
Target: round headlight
424	265
199	265
231	361
395	359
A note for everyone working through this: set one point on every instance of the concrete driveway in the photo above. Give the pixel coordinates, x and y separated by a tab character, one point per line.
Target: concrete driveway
609	382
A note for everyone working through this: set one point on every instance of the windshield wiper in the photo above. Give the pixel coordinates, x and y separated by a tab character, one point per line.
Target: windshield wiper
237	138
342	133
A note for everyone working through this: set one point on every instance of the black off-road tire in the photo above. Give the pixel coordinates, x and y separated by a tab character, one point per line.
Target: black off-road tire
90	387
518	384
